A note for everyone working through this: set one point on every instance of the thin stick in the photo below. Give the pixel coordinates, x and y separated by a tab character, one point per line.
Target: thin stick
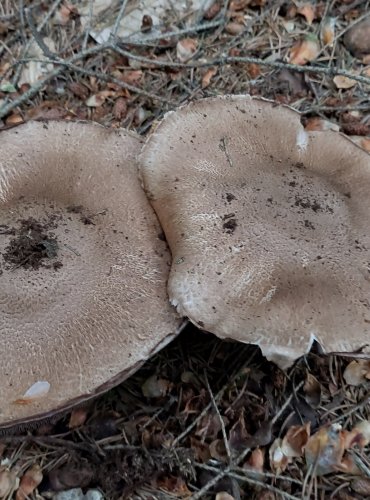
119	18
249	480
221	420
243	60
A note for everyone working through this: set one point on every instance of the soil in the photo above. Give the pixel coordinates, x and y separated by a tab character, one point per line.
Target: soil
33	245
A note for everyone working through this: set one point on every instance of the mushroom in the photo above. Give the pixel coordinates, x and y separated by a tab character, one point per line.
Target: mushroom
83	299
268	225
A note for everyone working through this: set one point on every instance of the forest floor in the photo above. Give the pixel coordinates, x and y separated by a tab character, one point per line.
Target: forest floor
203	418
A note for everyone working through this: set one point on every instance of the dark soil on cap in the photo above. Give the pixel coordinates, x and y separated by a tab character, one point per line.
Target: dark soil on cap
33	245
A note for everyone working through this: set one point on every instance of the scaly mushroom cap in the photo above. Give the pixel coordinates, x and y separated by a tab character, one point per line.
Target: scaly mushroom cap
83	298
268	225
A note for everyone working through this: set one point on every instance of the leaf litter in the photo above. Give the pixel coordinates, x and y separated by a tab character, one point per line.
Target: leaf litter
203	418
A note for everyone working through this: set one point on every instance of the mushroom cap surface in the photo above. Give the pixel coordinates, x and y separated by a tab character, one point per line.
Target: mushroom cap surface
84	319
268	225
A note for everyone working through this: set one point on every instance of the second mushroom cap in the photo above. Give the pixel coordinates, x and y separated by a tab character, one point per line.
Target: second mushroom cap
267	225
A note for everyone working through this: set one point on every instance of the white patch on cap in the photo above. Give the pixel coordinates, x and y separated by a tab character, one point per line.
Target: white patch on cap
37	390
302	140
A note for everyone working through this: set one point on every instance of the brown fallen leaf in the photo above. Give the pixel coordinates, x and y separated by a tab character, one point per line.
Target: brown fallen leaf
357	372
316	123
8	482
278	460
254	70
212	11
185	49
29	482
239	4
120	108
14	119
343	82
328	31
234	28
256	460
223	495
312	387
361	486
78	417
207	77
325	449
295	440
175	485
307	10
79	90
305	50
355	128
217	450
363	142
155	387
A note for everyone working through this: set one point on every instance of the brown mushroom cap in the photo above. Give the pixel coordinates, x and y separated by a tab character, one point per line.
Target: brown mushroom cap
268	225
89	313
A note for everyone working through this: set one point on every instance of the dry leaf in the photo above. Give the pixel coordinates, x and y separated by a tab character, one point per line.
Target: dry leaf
295	440
14	119
325	449
212	11
305	50
29	482
175	485
357	372
8	482
95	101
209	426
254	70
78	417
363	428
234	28
363	142
289	26
217	450
343	82
317	123
223	495
32	71
79	90
185	49
239	4
155	387
238	435
200	450
256	460
208	75
278	461
312	387
308	12
328	31
133	77
361	486
120	108
349	466
65	13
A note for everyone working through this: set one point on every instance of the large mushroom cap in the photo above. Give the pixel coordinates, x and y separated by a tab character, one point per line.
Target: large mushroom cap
268	225
83	296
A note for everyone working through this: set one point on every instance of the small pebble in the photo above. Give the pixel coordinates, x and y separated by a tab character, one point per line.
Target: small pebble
357	39
74	494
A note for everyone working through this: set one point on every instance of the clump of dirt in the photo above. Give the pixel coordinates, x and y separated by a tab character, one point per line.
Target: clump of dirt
33	245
